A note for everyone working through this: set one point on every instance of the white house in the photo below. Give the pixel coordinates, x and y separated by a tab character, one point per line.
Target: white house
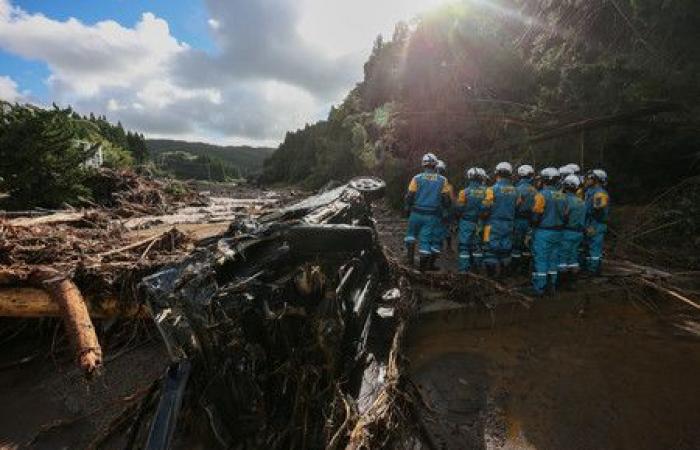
97	159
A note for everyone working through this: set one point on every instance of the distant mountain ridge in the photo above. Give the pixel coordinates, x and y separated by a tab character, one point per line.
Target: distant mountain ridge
247	159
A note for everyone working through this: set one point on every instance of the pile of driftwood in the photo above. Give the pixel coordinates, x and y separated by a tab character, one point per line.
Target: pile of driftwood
80	263
80	243
128	194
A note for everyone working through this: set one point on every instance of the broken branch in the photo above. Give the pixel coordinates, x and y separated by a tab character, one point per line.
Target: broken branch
75	317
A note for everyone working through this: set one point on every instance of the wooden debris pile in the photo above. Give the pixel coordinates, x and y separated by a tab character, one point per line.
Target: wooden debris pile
90	244
666	231
129	194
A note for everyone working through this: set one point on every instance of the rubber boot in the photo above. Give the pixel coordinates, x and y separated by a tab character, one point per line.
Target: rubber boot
563	281
525	266
507	269
423	263
432	264
599	270
493	270
410	254
551	285
573	277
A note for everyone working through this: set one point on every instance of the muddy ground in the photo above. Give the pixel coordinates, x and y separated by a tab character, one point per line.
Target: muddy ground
46	403
620	375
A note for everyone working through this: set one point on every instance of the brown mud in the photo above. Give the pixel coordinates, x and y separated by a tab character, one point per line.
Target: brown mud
47	404
618	376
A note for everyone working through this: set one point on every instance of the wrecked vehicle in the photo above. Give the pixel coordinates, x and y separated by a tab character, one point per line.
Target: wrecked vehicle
268	328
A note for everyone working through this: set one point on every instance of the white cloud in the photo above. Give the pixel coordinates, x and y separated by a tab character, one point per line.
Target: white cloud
8	88
349	27
278	64
85	59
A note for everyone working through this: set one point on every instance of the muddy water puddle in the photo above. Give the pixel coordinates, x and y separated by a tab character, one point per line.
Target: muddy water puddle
618	377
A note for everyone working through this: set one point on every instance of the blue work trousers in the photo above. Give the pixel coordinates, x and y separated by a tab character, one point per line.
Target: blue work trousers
521	229
469	243
545	249
569	250
595	236
442	230
421	228
498	242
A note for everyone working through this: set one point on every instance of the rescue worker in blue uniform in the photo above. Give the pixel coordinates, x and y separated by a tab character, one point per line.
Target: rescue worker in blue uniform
427	195
442	230
548	219
572	234
521	228
500	201
581	179
469	208
564	171
597	211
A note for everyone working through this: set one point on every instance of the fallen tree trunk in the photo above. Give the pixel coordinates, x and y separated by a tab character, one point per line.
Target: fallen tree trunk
33	302
75	315
61	217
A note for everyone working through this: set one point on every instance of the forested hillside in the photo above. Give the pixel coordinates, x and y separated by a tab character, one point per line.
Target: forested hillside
600	82
207	161
43	153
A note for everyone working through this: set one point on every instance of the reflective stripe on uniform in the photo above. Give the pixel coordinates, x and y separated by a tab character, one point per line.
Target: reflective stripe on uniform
487	233
539	274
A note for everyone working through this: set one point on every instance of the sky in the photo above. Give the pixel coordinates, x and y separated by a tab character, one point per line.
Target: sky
220	71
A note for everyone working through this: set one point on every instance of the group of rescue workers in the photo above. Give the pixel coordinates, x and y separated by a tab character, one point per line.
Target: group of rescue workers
554	222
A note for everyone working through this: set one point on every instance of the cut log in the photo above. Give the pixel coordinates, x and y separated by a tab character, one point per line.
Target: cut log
28	302
76	318
63	217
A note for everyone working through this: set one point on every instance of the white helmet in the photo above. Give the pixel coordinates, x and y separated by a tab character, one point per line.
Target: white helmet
575	168
473	173
526	170
482	173
429	160
549	173
572	181
504	168
566	170
441	166
600	175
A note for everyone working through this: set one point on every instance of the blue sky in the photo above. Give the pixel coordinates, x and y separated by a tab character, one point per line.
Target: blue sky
223	71
187	21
